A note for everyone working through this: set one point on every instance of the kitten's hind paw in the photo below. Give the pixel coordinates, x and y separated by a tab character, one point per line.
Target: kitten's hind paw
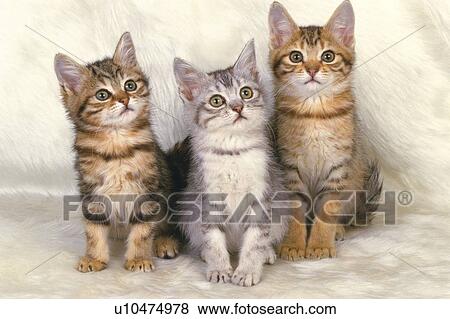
291	252
166	247
139	264
246	278
217	276
87	264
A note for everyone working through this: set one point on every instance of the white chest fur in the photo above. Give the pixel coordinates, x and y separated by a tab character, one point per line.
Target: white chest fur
233	164
235	175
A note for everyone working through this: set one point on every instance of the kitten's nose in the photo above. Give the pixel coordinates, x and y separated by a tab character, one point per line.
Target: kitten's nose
312	72
124	101
237	107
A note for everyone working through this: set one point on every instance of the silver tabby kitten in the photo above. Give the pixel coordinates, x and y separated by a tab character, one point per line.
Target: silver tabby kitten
232	155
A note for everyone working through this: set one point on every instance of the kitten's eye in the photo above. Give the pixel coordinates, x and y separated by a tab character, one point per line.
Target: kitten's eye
296	57
102	95
246	93
328	56
130	85
216	101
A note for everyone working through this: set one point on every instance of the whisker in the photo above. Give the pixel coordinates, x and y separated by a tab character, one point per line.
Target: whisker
330	84
284	86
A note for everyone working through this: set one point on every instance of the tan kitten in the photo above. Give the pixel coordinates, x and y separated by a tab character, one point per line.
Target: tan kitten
317	128
117	154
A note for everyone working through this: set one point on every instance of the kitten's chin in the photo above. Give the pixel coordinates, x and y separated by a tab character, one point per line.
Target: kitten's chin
324	88
125	118
312	87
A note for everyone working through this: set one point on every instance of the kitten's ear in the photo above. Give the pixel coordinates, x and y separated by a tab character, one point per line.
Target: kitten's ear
342	24
125	53
71	75
246	63
189	80
282	26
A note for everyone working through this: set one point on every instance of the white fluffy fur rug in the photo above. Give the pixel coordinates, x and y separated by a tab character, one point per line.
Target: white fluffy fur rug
407	260
402	85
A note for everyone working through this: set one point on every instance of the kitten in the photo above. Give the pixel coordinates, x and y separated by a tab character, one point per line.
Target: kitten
232	155
117	153
318	137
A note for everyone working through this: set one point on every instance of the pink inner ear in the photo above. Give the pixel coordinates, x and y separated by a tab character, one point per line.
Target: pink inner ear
188	79
277	38
342	24
281	26
345	35
187	94
69	75
190	86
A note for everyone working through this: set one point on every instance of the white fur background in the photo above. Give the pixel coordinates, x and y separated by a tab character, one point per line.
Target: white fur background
402	86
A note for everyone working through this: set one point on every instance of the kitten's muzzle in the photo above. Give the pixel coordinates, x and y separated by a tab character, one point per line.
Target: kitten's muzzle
126	109
239	117
312	72
311	80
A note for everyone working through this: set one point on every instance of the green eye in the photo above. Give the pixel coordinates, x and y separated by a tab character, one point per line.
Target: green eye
130	85
102	95
296	57
246	93
328	56
216	101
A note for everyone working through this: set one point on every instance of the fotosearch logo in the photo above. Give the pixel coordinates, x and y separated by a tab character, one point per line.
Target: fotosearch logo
343	207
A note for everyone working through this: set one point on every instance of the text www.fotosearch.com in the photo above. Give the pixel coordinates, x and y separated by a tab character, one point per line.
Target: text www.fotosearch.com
247	309
223	309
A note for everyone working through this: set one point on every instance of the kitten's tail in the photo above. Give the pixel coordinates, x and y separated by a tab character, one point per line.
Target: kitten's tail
373	185
178	160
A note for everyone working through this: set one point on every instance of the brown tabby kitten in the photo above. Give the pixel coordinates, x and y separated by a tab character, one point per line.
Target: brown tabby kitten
317	128
117	154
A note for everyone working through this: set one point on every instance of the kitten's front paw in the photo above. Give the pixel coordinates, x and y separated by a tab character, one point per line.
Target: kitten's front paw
340	233
246	277
217	276
87	264
320	252
139	264
292	252
271	256
166	247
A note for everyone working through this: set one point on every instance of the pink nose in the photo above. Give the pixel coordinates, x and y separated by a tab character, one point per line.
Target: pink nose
237	108
312	73
124	101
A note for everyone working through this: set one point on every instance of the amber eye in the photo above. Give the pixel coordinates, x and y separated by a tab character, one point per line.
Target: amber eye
102	95
216	101
328	56
130	85
296	57
246	93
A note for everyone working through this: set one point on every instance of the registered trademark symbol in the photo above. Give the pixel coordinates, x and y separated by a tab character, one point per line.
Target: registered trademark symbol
405	198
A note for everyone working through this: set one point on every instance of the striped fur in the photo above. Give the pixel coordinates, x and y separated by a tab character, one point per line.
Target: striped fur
231	154
117	154
317	128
